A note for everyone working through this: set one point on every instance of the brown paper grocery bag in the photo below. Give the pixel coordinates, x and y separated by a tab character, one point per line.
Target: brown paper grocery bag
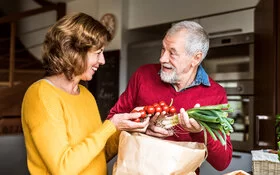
140	154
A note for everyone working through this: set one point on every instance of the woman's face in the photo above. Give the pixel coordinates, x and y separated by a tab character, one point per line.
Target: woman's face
94	59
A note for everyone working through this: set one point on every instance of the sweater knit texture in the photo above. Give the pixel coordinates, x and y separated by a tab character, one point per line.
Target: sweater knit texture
146	88
64	133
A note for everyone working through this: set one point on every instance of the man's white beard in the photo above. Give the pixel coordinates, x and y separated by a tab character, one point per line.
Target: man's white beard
169	77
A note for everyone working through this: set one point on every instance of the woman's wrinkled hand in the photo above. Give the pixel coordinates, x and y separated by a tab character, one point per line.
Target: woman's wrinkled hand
123	122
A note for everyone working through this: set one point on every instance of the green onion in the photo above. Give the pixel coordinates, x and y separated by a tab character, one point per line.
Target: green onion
213	118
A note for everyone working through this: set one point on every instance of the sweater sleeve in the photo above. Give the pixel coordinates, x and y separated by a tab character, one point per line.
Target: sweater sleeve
44	118
111	148
219	156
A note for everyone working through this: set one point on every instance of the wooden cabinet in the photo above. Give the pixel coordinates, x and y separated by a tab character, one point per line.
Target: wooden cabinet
10	125
267	65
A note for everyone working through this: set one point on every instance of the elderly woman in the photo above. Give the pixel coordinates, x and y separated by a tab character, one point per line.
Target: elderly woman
63	130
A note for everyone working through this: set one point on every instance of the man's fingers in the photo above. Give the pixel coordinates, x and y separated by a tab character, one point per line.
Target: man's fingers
197	105
142	129
195	124
156	134
159	130
155	117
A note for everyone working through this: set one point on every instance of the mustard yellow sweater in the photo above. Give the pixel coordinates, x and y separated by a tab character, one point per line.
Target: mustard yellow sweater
64	134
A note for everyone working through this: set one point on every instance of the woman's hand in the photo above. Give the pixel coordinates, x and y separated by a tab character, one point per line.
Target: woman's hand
124	122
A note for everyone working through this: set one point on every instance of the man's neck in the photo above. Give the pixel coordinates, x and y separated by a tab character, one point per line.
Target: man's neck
185	80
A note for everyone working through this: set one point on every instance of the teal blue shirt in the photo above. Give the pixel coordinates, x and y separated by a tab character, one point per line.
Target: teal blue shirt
200	78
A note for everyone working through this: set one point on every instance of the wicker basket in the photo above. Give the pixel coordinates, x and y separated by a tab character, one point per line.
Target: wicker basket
265	163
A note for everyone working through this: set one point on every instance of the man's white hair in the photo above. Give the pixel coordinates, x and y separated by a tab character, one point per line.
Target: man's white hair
196	38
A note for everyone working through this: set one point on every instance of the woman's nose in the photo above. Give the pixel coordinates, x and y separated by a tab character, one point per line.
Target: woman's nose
101	59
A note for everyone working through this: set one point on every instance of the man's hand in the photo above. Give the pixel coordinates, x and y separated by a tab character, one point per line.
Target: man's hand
157	131
189	124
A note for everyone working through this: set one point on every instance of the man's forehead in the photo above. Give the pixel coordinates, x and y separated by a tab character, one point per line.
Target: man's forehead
173	43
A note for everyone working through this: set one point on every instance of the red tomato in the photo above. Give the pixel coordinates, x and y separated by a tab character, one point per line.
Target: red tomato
150	110
162	103
155	105
143	113
158	109
145	108
165	108
137	120
172	110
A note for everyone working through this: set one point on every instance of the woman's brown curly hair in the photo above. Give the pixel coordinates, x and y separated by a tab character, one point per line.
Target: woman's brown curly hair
69	40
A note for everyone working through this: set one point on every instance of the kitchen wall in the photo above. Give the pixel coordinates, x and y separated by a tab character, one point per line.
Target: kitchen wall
150	12
132	15
146	19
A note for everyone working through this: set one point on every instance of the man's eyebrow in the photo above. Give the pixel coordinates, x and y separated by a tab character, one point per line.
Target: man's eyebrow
174	50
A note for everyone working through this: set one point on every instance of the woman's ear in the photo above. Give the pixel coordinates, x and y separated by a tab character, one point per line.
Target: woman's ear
197	58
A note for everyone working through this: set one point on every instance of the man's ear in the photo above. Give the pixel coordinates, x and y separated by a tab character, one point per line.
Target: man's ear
197	58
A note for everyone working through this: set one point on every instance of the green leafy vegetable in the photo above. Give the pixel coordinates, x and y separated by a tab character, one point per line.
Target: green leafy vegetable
213	118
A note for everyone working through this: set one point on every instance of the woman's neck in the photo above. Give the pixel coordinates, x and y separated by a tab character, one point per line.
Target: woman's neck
69	86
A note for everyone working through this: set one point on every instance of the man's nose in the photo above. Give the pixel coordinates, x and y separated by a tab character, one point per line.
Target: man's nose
164	57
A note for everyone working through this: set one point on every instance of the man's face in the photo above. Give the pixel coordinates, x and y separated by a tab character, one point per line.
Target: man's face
175	63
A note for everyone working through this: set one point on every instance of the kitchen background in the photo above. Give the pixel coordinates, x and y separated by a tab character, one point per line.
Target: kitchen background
243	57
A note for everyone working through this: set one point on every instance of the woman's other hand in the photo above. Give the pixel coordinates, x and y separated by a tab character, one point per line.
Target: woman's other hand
124	122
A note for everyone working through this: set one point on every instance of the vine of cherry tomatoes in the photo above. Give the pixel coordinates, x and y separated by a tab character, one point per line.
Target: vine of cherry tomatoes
152	109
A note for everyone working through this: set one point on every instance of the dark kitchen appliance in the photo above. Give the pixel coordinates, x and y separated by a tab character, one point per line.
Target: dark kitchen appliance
241	98
231	58
230	62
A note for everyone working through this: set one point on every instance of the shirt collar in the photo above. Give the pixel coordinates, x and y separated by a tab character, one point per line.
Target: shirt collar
200	78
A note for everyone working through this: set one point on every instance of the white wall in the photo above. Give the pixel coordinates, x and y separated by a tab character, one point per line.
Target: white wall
114	7
151	12
130	14
32	30
89	7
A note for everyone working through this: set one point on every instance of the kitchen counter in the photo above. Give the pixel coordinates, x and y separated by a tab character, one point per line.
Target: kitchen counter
240	161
